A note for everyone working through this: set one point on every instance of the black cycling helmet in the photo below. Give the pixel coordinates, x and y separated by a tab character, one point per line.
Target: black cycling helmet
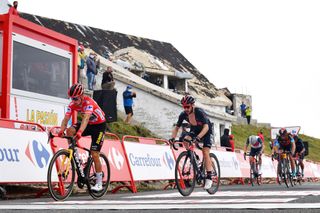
187	100
282	131
75	90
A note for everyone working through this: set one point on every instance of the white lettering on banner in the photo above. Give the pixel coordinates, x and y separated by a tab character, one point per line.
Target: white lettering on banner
150	162
267	167
229	164
24	156
116	158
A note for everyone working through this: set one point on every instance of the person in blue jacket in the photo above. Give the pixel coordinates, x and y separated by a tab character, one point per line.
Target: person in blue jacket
128	96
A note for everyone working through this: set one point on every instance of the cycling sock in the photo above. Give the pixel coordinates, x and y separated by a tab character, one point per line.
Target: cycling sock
209	174
99	177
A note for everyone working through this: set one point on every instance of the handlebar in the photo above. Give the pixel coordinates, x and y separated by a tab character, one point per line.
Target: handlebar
190	142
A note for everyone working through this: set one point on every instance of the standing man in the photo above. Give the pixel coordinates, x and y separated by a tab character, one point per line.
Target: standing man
200	130
243	110
91	69
93	123
107	82
128	96
248	114
225	140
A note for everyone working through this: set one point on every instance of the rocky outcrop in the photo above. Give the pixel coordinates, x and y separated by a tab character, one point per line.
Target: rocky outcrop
100	40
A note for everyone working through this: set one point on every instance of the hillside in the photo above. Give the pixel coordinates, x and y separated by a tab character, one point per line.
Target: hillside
241	132
101	40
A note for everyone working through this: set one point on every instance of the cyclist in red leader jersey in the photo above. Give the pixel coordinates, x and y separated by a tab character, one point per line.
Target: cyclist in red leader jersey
93	123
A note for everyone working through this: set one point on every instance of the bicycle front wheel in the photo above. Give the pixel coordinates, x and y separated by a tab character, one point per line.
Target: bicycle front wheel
215	174
91	176
61	175
185	174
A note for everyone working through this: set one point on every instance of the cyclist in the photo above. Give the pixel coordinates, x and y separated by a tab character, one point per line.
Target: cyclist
257	147
93	123
200	130
300	150
286	143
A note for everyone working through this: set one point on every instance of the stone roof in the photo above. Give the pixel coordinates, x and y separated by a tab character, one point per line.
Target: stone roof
100	40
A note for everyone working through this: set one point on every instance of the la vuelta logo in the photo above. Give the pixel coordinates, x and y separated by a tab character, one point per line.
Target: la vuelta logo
37	154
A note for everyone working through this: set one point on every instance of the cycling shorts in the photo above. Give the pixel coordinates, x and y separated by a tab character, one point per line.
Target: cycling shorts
96	131
255	151
206	139
285	147
301	157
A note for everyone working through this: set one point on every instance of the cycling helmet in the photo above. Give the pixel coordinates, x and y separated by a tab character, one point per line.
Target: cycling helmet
188	99
75	90
282	131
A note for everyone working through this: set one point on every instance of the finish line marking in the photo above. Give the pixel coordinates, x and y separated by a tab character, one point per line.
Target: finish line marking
170	206
233	194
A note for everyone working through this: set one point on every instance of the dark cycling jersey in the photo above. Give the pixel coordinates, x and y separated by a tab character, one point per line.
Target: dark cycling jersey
201	119
299	145
285	139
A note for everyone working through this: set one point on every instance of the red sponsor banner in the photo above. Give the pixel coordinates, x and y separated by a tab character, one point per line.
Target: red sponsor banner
308	170
111	148
244	165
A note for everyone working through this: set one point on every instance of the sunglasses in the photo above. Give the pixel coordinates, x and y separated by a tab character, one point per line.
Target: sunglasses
187	107
75	99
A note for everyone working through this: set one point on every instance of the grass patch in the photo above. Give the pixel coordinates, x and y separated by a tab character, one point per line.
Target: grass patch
121	128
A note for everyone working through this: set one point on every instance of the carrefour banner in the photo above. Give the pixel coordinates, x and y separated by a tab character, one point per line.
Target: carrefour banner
150	162
229	164
24	156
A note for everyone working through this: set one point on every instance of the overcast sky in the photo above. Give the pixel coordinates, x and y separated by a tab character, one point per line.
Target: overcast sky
267	49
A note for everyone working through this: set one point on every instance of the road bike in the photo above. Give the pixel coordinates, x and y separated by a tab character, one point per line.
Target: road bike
64	166
284	169
255	177
298	161
190	169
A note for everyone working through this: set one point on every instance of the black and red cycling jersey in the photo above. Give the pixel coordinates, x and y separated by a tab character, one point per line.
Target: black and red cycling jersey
285	139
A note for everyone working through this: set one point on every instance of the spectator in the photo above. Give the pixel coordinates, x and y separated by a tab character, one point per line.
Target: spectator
260	134
243	109
14	9
159	81
248	114
225	140
231	139
96	71
81	63
107	79
91	68
128	96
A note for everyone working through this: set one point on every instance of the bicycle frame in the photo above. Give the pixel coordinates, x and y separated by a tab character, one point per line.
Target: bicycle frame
72	155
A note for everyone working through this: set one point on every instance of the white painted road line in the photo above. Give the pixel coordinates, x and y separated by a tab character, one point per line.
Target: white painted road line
171	206
233	194
184	201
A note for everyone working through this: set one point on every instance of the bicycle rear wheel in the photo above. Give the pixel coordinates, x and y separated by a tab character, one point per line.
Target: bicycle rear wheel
185	174
61	175
279	173
285	172
91	176
215	174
